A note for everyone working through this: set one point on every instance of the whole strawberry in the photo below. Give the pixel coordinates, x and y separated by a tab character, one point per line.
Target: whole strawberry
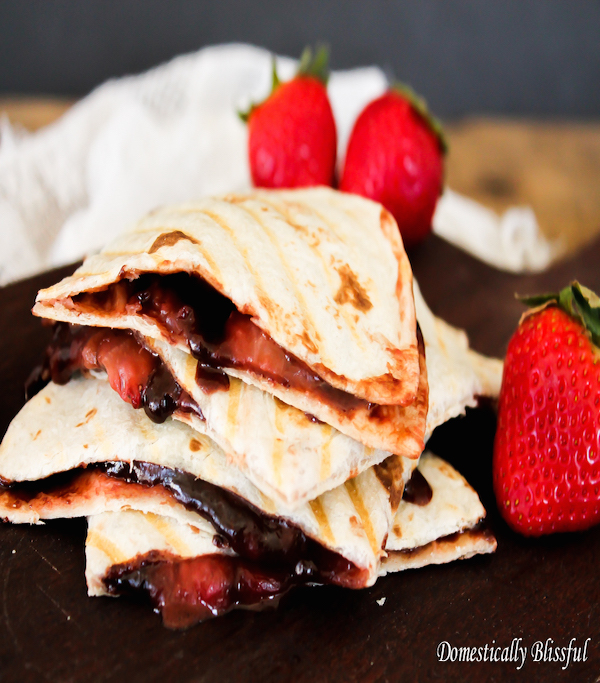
546	465
395	156
292	136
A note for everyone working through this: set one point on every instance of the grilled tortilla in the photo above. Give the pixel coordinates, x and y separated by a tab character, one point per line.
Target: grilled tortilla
313	287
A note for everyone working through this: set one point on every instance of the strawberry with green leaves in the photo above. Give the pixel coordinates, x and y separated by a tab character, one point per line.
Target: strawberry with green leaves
395	156
292	138
546	466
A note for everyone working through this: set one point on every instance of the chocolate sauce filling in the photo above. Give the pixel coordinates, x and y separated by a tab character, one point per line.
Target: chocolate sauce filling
417	490
252	534
188	309
137	374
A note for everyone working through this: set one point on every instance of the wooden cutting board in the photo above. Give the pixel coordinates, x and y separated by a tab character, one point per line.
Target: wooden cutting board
533	590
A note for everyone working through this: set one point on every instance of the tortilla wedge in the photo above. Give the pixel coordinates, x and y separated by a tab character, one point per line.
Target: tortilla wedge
323	273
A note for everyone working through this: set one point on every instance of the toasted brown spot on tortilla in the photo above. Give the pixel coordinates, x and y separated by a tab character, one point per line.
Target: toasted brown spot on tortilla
48	399
168	239
85	445
448	471
88	416
265	302
397	531
351	291
195	445
39	431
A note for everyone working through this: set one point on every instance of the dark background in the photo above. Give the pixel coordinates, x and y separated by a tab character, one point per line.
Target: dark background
522	57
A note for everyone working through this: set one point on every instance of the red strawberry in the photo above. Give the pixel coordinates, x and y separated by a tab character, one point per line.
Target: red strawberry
292	135
546	464
395	156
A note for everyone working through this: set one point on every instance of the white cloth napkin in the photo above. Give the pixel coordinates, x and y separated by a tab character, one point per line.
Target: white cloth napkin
172	134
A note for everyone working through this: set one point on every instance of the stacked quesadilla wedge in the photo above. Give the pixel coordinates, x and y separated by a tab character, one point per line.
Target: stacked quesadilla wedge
271	340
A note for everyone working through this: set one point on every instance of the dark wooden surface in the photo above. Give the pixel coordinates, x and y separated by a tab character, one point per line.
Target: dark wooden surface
534	590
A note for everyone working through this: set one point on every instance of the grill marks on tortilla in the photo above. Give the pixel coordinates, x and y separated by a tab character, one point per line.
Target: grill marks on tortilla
318	511
350	291
389	227
166	531
168	239
105	546
278	446
222	223
285	210
360	507
326	452
309	332
233	406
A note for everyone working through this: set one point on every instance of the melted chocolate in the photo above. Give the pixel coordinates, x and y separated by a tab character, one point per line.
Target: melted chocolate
251	533
162	396
139	376
417	490
188	309
211	379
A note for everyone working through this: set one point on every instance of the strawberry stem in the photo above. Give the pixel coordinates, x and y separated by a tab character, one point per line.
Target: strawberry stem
275	83
316	65
419	104
577	301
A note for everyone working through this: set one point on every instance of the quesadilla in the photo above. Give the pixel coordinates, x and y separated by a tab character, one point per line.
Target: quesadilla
178	566
305	294
278	329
